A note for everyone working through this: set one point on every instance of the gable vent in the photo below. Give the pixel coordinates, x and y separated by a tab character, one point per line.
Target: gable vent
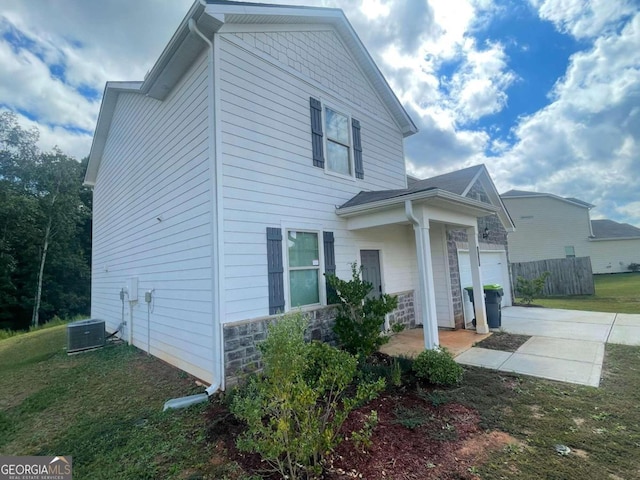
85	334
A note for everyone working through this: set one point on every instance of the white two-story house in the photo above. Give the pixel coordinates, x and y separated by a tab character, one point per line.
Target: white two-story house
550	226
262	150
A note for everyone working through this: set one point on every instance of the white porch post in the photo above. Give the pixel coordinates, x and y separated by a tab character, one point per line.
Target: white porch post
425	276
476	276
429	315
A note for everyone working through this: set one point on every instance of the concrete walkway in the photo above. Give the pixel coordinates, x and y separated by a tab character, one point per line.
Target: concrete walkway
565	345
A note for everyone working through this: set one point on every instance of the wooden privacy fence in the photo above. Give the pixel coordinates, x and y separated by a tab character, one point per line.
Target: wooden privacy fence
569	276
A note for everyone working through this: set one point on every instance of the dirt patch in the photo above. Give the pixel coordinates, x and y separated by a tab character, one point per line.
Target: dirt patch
503	341
412	440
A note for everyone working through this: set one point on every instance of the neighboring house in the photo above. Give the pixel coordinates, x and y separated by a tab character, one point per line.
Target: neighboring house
550	226
234	176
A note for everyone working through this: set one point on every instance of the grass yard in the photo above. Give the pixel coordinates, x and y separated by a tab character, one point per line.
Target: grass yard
618	293
104	409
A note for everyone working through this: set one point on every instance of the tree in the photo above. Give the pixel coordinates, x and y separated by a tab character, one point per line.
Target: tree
45	216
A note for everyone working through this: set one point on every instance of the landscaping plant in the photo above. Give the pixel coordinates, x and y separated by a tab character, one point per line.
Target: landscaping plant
634	267
438	367
295	408
360	318
531	289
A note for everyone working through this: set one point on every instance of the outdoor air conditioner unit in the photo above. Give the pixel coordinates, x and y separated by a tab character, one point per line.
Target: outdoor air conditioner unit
85	334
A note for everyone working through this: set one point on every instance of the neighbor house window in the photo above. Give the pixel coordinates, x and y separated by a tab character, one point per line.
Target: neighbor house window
338	142
304	268
569	252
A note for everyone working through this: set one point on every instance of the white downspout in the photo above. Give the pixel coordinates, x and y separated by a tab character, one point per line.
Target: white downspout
216	198
423	289
215	169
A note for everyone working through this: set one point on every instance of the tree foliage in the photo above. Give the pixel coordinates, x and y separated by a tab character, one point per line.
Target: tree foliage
360	317
295	409
530	289
45	222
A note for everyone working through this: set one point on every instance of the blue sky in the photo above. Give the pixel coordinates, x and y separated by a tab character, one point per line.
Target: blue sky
546	93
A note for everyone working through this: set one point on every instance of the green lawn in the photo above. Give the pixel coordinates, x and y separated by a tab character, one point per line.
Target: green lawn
619	293
104	408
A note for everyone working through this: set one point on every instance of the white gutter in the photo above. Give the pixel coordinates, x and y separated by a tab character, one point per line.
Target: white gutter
215	170
424	195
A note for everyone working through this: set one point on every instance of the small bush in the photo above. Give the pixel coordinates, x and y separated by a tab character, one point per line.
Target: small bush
360	318
295	409
437	367
634	267
529	290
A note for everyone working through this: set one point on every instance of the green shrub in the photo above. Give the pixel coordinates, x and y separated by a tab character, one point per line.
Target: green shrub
528	290
295	409
634	267
360	318
438	367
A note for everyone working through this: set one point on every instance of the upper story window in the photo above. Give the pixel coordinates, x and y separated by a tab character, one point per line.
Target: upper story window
569	251
335	137
338	142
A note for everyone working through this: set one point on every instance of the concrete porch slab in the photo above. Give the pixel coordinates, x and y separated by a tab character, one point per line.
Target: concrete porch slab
410	343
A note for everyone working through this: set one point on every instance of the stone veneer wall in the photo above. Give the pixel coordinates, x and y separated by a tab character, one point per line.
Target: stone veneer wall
405	313
458	239
241	339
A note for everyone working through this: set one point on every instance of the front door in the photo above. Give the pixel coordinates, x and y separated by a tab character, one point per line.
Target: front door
370	261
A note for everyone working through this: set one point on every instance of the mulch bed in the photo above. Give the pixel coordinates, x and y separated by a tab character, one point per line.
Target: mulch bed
506	342
445	442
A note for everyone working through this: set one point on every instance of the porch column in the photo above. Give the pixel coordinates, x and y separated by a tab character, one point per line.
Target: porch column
429	314
478	290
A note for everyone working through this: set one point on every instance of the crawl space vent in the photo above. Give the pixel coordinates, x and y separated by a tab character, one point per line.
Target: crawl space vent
85	334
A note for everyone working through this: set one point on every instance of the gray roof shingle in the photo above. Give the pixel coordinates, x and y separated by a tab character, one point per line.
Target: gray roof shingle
454	182
611	229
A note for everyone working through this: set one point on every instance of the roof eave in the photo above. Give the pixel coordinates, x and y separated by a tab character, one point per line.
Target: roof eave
602	239
109	99
417	196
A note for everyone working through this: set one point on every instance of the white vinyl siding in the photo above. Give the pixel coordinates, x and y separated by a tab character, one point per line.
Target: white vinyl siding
269	178
614	256
152	221
544	227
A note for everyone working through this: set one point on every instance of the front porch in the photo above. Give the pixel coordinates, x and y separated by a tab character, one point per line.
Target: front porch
411	342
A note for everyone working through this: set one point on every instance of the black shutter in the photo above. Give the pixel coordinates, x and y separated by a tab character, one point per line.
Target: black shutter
316	132
275	269
357	148
330	265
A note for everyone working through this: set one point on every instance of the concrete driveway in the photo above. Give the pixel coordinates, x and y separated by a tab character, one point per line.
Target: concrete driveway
565	345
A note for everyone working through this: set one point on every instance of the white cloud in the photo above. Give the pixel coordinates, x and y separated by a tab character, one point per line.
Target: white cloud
585	19
586	143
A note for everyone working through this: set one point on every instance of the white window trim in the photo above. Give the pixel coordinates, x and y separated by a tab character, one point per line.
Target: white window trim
325	140
322	294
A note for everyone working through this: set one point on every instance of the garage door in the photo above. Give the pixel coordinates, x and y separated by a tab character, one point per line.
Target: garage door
494	269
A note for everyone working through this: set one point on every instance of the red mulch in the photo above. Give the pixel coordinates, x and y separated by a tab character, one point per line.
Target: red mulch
444	447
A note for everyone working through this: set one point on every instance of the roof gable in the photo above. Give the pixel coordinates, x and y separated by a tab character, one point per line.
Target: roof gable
211	16
459	183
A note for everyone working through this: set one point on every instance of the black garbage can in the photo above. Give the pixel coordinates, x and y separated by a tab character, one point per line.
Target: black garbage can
492	301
